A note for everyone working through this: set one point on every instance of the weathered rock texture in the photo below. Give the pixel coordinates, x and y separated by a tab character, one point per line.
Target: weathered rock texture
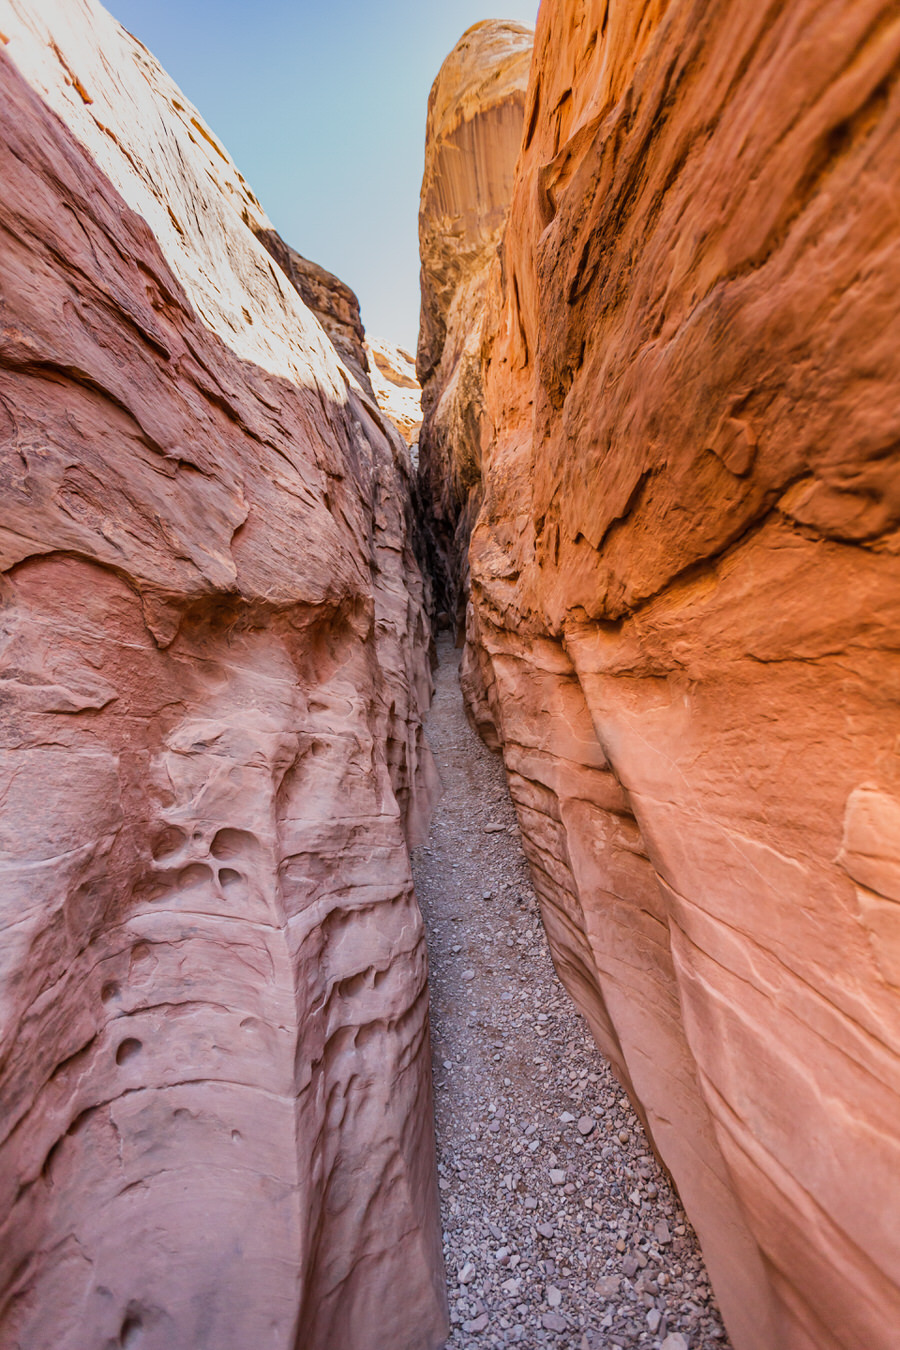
331	300
686	611
215	1125
475	116
396	388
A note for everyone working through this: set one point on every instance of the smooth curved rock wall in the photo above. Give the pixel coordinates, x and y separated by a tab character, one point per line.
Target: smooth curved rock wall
473	135
214	1068
686	609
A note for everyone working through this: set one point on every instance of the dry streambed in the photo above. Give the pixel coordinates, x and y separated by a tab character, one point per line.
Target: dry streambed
560	1228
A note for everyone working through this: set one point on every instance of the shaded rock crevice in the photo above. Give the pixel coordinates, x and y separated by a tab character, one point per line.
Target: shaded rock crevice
473	133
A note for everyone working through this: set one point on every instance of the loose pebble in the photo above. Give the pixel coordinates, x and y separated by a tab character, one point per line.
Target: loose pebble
560	1228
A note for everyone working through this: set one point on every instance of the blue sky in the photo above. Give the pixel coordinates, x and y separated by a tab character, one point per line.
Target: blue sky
322	105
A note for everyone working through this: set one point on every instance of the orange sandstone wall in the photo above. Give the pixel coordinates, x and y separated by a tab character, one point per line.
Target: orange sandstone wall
685	614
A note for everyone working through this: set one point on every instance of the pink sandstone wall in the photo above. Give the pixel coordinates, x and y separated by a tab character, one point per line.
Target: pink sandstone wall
215	1127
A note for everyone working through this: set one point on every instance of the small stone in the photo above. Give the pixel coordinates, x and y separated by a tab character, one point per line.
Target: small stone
608	1286
529	1202
468	975
629	1266
554	1296
546	1230
585	1125
622	1136
661	1232
477	1323
557	1176
567	1118
653	1320
675	1342
553	1322
467	1274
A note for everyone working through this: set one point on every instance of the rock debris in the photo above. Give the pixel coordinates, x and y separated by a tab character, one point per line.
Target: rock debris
560	1227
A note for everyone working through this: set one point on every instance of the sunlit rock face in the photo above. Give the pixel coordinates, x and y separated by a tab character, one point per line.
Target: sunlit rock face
215	1127
393	374
686	611
475	118
332	301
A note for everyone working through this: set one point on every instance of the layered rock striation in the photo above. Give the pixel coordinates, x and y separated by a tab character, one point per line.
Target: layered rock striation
475	116
216	1123
686	609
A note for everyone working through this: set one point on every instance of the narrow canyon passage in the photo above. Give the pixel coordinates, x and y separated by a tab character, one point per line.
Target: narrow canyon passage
648	451
559	1226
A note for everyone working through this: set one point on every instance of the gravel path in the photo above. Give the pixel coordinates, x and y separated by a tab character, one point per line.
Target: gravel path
560	1228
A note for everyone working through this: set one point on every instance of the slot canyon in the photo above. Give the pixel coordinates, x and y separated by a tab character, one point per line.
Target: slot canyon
450	806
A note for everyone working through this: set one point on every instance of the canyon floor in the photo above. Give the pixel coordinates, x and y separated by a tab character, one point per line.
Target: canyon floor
560	1228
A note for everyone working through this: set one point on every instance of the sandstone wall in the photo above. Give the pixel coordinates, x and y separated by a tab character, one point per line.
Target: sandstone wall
396	387
686	609
332	301
473	134
215	1127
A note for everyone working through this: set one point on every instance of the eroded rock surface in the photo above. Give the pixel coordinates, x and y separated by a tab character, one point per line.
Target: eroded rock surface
475	117
216	1120
332	301
686	606
396	387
